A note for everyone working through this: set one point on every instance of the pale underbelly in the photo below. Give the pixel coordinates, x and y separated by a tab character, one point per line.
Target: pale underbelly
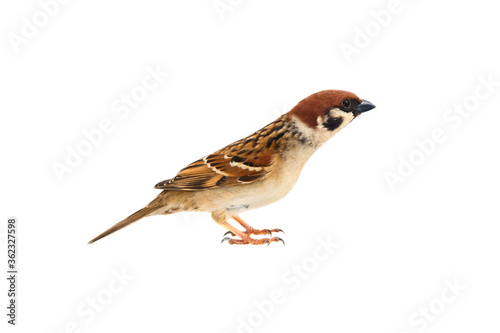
257	195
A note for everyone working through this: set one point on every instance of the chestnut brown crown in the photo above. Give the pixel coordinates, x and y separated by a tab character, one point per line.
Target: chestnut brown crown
310	108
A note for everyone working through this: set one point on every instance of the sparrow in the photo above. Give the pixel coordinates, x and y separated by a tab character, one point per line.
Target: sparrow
256	170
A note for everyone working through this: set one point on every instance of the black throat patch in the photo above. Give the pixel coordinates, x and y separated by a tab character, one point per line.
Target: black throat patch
332	124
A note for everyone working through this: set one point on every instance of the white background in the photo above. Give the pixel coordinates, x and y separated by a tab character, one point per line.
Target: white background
229	75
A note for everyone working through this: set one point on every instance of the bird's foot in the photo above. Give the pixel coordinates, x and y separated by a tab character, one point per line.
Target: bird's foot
244	236
251	231
252	241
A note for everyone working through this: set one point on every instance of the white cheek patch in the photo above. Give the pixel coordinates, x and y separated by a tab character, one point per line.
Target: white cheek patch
322	133
331	125
337	120
337	113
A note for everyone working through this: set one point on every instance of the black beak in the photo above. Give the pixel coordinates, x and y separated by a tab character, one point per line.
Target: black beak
365	106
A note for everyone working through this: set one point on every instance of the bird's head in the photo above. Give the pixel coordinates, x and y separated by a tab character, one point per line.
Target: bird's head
324	113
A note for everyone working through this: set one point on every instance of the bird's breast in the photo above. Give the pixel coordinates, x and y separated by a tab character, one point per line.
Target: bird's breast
273	187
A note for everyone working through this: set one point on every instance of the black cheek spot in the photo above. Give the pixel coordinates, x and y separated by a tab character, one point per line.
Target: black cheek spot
332	124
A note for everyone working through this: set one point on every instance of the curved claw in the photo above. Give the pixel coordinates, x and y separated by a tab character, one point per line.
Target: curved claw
279	239
279	230
225	239
229	233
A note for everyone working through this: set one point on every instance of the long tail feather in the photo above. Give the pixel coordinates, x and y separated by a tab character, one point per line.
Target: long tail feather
123	223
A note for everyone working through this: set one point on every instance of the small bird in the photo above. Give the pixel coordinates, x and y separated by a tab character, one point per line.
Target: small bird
256	170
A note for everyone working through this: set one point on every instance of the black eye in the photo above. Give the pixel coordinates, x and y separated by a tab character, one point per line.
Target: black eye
346	103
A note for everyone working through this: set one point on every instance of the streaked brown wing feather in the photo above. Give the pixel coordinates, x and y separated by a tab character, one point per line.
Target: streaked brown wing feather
242	162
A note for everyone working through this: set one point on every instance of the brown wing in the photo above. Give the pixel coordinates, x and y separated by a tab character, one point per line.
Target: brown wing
242	162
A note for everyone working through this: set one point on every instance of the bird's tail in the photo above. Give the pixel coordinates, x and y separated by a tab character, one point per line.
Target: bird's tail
129	220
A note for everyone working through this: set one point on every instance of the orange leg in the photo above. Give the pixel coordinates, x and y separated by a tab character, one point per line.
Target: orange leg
245	235
251	231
